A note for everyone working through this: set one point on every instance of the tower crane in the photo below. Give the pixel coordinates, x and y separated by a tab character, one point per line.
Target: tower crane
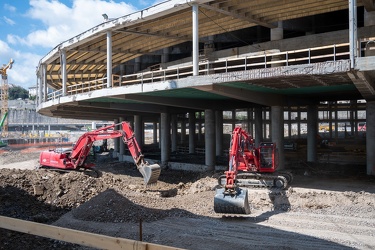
4	95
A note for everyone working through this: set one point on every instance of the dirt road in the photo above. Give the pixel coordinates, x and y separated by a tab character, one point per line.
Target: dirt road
314	213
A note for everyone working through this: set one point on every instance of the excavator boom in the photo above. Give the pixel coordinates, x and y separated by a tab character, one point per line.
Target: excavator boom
76	158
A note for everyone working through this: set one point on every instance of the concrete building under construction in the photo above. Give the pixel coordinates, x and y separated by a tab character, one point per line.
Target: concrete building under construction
285	71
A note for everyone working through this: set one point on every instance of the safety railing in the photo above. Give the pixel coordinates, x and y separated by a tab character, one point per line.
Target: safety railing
240	63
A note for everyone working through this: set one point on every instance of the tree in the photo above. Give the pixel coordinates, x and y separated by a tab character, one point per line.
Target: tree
18	92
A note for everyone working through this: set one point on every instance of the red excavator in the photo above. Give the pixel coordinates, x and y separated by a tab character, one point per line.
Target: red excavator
75	158
248	166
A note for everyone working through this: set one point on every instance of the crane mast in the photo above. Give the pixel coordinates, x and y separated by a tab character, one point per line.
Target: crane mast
4	95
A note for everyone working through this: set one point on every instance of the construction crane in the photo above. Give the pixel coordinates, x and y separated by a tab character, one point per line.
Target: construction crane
4	95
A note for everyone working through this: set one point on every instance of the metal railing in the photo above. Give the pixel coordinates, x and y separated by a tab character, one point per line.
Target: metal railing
240	63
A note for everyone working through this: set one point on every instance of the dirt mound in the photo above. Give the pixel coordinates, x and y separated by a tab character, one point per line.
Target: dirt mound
115	202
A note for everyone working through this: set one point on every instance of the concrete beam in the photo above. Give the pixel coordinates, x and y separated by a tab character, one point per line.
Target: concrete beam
364	83
246	17
187	103
266	99
369	5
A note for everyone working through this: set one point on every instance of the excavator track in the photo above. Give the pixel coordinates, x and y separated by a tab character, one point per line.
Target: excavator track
279	180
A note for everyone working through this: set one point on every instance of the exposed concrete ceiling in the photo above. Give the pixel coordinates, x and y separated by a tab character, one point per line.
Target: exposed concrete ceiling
168	24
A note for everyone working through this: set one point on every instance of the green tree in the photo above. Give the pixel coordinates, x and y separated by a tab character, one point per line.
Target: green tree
18	92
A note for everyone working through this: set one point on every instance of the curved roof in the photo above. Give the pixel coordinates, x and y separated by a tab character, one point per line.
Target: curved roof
167	24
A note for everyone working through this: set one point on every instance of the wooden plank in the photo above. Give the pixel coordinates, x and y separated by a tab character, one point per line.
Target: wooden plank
77	237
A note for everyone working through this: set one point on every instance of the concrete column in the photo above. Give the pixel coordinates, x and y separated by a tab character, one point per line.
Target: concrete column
183	130
370	137
200	126
137	64
63	72
165	138
353	31
174	132
109	59
277	132
195	39
258	126
219	132
277	33
138	130
44	83
121	145
165	56
191	133
116	141
209	132
155	132
93	125
312	132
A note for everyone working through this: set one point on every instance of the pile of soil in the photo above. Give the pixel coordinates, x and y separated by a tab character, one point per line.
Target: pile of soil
116	202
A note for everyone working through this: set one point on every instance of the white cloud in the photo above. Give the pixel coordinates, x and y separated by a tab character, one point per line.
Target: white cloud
9	21
23	69
59	23
63	22
9	7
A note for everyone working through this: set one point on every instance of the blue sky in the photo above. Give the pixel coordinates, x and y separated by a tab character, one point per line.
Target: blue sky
31	28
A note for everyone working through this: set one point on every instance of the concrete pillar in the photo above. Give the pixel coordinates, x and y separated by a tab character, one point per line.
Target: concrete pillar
109	59
165	138
116	141
174	132
155	132
183	130
353	32
195	39
209	132
93	125
277	33
63	72
191	132
165	56
277	132
45	88
258	126
219	132
138	130
312	132
200	126
121	144
370	137
137	64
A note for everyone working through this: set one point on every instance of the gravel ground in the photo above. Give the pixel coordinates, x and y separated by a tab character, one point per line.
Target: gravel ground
314	213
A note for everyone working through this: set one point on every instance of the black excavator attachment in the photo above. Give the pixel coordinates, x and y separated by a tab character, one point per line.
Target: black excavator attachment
231	202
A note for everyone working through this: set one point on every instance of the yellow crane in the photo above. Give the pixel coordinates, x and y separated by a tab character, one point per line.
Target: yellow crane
4	95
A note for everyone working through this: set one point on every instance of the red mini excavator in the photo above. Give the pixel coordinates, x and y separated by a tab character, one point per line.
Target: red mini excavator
248	166
75	159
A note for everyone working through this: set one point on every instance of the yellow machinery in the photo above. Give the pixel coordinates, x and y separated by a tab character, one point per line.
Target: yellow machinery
4	95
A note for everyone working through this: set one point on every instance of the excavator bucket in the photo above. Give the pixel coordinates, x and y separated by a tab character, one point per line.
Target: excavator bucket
150	173
231	203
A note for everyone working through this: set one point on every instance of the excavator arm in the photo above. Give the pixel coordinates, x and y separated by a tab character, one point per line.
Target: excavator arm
76	158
